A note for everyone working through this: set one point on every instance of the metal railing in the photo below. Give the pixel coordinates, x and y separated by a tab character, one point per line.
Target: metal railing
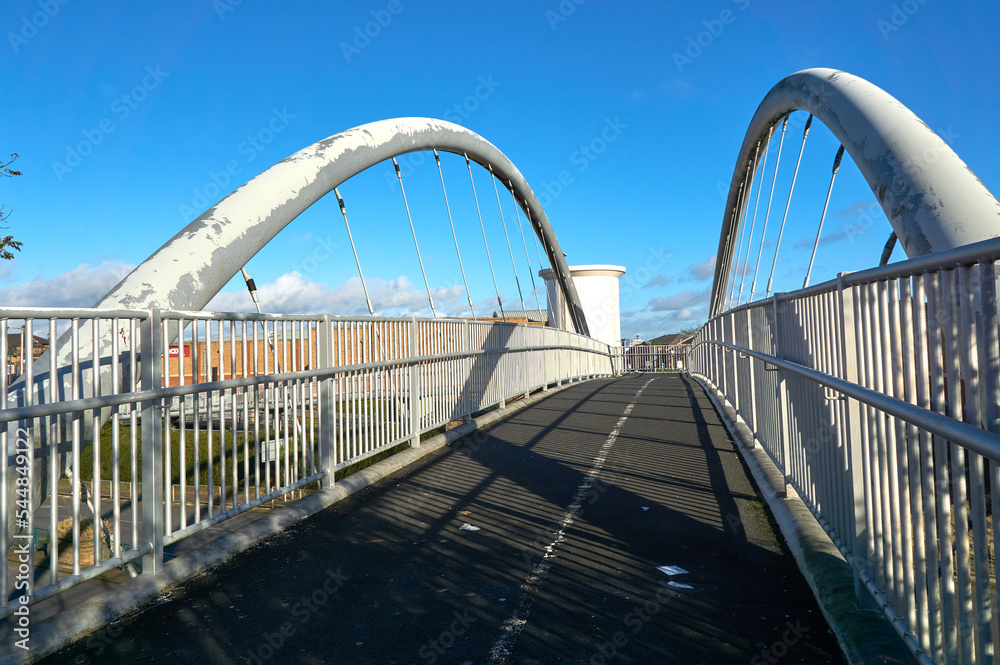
877	395
166	422
652	357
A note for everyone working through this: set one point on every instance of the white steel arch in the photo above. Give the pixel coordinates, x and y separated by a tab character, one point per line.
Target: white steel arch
194	265
190	268
931	198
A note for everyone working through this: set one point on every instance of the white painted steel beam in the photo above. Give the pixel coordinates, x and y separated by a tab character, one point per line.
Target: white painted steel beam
190	268
932	199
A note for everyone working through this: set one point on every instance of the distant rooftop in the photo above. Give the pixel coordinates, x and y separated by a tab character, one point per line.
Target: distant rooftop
531	315
671	339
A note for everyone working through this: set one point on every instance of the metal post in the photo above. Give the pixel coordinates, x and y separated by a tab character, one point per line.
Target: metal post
559	353
849	353
412	353
735	400
525	358
327	409
467	379
502	363
785	431
752	386
545	361
152	424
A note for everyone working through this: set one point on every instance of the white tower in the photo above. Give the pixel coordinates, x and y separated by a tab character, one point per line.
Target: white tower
597	287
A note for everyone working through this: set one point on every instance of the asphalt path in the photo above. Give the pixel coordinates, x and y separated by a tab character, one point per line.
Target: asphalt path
538	541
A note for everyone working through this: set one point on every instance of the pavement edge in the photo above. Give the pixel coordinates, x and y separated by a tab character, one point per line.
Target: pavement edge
50	635
864	633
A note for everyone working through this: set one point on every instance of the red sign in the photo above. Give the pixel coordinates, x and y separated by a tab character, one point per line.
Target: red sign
175	352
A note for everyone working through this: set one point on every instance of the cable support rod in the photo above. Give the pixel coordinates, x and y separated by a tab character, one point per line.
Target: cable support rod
781	231
767	215
364	286
733	220
833	176
252	288
413	231
534	239
482	226
527	259
740	217
753	221
890	245
534	235
548	250
742	200
461	267
744	204
503	222
350	236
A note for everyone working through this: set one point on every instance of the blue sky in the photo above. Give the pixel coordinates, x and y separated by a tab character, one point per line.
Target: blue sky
127	116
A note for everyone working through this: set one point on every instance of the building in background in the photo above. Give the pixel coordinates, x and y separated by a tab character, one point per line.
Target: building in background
660	354
531	317
16	344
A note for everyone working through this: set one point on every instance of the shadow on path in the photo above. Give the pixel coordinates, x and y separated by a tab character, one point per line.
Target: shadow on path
390	575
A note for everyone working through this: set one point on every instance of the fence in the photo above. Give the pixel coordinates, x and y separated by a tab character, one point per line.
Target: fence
193	417
653	357
878	397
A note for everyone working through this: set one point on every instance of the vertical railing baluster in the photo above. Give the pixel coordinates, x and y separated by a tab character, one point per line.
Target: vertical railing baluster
933	642
989	368
411	355
918	618
937	314
327	405
974	407
152	452
849	341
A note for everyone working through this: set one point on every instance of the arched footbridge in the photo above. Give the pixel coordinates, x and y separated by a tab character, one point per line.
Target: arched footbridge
516	496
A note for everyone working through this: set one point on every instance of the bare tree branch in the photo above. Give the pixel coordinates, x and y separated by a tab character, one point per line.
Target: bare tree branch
8	243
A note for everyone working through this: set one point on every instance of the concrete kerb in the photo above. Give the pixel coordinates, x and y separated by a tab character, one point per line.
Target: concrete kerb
64	628
864	633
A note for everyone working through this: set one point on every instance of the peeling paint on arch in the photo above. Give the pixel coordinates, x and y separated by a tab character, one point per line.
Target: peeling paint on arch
932	199
199	260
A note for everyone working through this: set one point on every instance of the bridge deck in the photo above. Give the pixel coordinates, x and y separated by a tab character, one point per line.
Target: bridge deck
560	570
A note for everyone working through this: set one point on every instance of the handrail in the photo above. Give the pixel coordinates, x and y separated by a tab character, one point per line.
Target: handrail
967	255
971	437
336	391
897	470
85	404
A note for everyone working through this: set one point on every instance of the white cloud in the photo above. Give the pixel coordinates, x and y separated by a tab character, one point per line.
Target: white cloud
292	293
81	287
703	270
678	87
668	315
653	324
685	300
